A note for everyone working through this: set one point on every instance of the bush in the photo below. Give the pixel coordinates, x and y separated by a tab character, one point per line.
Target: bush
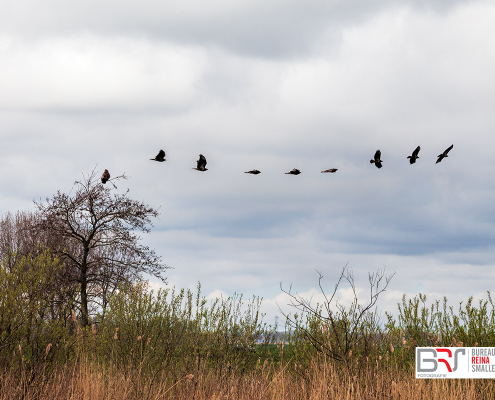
438	324
150	332
31	330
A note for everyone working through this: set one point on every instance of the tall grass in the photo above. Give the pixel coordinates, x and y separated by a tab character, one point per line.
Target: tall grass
89	380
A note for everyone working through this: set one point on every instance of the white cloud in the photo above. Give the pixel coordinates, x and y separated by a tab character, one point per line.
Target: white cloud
95	74
217	294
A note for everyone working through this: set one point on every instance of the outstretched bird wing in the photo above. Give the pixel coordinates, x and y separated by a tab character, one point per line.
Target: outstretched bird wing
416	152
444	154
447	150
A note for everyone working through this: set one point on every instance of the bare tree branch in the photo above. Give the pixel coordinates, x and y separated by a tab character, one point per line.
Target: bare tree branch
342	330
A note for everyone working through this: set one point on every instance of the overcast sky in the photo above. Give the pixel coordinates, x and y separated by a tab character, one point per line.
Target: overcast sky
268	85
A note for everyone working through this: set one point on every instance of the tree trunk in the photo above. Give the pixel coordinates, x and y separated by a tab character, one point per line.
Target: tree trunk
84	289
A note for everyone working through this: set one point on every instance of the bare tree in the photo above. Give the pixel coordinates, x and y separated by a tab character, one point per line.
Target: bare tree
95	228
341	330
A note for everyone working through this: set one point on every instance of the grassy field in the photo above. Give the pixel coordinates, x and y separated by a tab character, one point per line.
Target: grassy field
89	380
175	345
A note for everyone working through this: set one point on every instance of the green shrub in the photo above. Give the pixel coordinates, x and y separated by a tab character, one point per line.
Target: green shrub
178	331
30	330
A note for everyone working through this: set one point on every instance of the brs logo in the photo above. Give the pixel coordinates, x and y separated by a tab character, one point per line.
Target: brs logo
431	364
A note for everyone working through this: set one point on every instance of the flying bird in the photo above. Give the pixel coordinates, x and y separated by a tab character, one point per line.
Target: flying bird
330	170
295	171
254	172
414	156
444	154
201	163
160	157
105	177
376	160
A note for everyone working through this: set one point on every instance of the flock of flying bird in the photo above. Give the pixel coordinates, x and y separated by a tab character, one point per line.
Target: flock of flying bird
201	163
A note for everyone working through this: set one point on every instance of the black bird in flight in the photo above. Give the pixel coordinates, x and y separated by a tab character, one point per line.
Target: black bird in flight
105	177
444	154
414	156
330	170
295	171
201	163
376	160
254	172
160	157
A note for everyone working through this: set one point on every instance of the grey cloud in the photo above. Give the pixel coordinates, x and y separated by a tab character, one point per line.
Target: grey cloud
396	83
264	29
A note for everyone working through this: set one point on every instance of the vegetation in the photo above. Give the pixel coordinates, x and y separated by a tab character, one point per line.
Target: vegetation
343	334
92	231
130	342
175	344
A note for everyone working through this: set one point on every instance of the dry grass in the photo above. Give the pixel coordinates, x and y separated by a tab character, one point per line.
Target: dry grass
93	382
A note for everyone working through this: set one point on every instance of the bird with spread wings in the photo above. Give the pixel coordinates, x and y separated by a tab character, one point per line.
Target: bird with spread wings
444	154
414	156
